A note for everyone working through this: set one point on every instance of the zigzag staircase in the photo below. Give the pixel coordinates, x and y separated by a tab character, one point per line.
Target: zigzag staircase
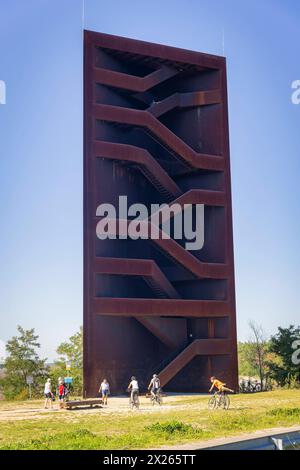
168	306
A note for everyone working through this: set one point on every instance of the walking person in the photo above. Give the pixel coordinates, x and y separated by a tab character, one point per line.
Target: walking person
104	390
61	393
48	394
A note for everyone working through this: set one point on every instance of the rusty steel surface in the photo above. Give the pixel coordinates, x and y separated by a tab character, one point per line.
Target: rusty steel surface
156	130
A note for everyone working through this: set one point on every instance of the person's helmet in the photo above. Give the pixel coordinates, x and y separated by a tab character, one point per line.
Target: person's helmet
212	378
154	376
48	380
133	378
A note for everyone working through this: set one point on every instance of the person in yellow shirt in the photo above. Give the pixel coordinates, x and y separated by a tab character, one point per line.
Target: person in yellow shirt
220	386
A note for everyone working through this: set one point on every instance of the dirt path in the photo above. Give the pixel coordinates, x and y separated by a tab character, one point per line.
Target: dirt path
117	405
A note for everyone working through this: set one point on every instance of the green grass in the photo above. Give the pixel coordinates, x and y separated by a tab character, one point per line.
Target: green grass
187	420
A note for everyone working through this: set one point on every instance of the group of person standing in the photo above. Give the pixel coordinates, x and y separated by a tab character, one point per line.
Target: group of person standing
61	391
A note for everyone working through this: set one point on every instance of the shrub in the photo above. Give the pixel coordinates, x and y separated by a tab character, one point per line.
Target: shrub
293	382
78	433
22	395
284	412
171	427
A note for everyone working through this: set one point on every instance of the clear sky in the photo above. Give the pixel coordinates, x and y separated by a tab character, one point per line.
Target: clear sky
41	149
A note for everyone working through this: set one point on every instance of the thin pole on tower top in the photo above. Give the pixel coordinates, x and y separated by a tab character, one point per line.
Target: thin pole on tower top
82	15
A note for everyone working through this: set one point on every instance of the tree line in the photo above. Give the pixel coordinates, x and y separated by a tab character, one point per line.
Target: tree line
23	364
274	359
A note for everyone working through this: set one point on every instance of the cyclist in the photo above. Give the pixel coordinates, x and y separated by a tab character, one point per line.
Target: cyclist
133	387
220	386
154	385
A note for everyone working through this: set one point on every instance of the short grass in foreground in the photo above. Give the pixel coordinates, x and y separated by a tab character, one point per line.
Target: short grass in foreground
188	420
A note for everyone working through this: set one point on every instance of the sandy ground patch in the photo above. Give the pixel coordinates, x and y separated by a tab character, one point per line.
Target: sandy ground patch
116	405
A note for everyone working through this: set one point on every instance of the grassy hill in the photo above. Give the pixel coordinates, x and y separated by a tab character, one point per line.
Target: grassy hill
26	425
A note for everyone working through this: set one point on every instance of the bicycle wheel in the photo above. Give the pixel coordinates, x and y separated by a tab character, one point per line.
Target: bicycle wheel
159	400
212	403
225	402
136	402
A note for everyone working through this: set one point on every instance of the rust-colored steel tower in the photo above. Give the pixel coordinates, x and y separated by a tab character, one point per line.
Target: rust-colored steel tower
156	130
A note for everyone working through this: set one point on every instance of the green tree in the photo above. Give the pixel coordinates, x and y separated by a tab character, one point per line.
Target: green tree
70	352
286	371
245	354
23	361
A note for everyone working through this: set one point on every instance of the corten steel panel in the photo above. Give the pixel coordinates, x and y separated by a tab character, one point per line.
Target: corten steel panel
156	130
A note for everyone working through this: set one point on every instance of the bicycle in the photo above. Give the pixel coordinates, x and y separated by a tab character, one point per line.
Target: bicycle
134	401
256	387
250	387
156	398
219	400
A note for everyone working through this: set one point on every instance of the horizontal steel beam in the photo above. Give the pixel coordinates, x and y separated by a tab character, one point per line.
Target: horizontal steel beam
148	49
160	307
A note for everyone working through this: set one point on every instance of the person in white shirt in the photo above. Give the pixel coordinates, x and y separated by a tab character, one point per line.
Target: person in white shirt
133	387
104	390
48	394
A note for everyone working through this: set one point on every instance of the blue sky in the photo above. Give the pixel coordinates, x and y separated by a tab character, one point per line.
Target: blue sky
41	149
